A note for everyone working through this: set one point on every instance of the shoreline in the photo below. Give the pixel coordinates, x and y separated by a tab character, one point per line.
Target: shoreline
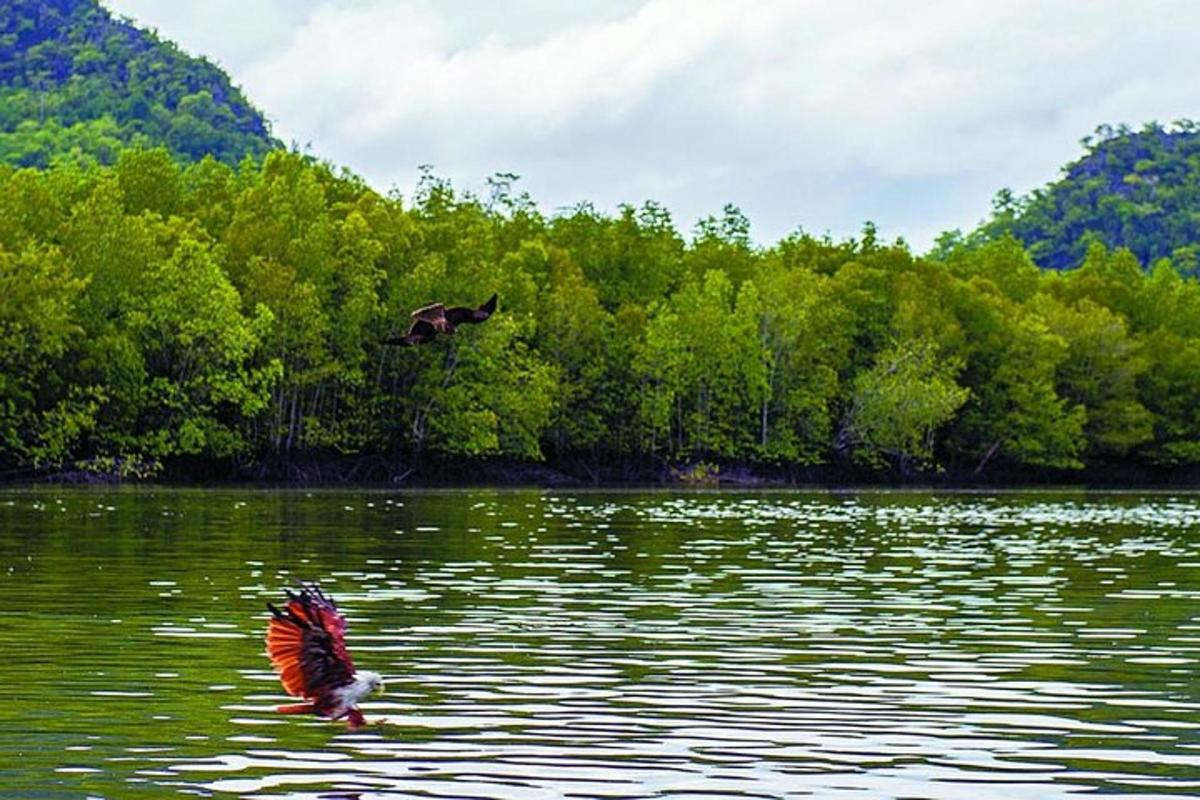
379	475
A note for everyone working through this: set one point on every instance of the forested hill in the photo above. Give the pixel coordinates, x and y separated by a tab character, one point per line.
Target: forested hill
75	80
1134	189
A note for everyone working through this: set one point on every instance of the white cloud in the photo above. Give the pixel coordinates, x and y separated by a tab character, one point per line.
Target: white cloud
803	112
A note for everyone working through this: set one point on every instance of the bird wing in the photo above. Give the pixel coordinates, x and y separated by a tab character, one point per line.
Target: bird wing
421	327
418	333
307	645
434	313
457	315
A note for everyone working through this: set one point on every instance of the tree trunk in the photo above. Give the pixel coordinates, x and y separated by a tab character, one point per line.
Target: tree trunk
991	451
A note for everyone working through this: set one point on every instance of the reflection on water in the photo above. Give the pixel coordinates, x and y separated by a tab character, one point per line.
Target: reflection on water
559	644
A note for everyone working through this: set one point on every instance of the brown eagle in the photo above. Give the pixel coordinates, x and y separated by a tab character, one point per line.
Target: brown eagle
431	320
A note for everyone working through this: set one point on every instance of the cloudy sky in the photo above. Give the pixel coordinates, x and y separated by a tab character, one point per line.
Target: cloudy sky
805	113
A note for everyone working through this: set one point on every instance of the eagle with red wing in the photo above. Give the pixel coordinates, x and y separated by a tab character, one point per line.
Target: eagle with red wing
306	643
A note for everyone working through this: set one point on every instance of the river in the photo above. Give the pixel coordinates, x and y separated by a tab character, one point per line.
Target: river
554	644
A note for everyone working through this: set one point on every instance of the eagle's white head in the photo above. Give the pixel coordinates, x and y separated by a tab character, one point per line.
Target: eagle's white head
363	684
369	681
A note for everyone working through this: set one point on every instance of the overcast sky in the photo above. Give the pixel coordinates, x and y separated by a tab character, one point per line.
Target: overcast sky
805	114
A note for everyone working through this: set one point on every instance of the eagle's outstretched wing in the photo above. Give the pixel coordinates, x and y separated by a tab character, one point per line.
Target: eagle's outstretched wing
433	314
419	332
307	645
458	315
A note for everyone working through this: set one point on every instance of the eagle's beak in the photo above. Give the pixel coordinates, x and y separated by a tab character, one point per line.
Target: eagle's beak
382	687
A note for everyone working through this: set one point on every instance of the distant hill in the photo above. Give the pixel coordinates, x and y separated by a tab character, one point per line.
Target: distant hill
76	80
1133	189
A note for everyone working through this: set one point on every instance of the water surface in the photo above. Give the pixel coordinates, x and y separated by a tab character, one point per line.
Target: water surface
551	644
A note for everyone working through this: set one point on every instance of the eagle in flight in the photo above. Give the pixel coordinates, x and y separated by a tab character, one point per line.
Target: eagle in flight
307	645
433	319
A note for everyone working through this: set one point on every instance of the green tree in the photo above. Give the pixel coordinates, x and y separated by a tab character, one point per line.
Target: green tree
1100	374
804	333
1014	411
1170	388
899	405
37	326
488	396
575	335
705	370
200	355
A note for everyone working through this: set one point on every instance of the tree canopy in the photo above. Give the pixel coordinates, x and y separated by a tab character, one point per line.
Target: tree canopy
154	313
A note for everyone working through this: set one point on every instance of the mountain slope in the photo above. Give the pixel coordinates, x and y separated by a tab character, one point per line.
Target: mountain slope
1133	189
75	80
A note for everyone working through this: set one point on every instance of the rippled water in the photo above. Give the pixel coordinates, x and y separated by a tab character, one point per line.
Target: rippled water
560	644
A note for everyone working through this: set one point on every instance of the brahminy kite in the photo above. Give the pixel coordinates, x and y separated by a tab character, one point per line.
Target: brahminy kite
306	642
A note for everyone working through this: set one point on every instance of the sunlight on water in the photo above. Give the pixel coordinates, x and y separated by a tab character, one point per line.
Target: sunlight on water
577	644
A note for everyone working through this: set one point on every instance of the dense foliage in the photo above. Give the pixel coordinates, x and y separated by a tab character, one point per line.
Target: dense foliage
1134	189
77	83
152	312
